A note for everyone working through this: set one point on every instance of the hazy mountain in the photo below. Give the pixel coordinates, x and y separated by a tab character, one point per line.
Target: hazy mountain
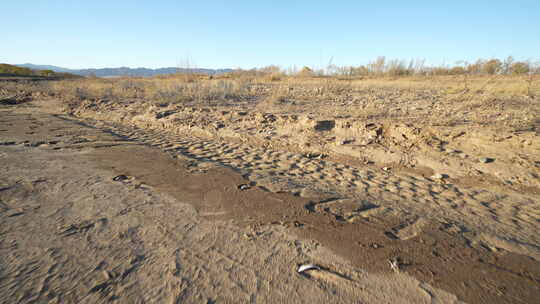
121	71
44	67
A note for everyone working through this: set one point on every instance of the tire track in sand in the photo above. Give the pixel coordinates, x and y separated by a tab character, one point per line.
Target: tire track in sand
480	215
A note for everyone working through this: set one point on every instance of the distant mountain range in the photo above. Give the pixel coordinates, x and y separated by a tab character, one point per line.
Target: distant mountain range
122	71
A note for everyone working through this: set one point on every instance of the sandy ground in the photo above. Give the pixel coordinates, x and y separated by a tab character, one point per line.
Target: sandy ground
191	220
481	180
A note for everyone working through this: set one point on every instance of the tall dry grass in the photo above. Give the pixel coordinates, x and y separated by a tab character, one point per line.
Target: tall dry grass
433	99
284	90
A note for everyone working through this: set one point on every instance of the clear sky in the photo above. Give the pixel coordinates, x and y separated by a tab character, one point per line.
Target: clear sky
246	34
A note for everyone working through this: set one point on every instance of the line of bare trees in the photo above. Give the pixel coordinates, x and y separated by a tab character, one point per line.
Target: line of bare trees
415	67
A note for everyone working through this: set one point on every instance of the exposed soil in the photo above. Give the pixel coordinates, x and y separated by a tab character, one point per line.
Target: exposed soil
98	211
480	178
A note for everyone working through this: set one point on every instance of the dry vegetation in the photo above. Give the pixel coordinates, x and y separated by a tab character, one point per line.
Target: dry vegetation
410	121
397	98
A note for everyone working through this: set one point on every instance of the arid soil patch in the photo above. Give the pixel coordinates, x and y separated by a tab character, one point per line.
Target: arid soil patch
97	210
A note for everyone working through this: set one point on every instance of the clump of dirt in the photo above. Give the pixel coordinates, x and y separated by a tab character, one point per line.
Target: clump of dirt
15	99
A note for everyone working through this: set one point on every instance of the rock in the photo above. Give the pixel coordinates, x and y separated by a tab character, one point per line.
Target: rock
269	117
14	212
370	126
324	125
219	125
106	275
243	187
486	160
120	178
371	136
315	155
164	114
439	176
16	99
306	267
346	141
37	143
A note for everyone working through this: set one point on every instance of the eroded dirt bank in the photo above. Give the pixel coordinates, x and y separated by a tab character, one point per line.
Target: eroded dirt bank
175	226
401	170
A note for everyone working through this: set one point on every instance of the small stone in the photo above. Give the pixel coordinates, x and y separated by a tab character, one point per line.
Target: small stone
37	143
219	125
120	178
324	125
439	176
486	160
15	212
243	187
312	155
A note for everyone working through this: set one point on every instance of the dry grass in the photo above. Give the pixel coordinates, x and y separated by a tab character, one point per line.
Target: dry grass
179	89
434	100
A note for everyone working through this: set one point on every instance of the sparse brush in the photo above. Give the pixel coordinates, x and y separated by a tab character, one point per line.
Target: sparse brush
365	98
530	80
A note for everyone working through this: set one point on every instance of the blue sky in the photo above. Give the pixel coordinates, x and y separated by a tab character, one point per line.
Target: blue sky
246	34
